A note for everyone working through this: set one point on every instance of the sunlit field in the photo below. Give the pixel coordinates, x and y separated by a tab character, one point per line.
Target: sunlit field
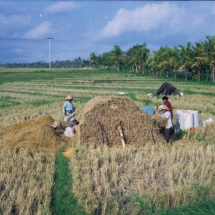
106	180
26	182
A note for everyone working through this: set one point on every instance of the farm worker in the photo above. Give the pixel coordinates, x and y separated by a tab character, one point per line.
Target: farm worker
68	109
168	104
148	110
166	114
158	109
56	124
71	128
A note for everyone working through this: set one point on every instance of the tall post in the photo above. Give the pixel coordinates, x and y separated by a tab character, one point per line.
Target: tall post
49	38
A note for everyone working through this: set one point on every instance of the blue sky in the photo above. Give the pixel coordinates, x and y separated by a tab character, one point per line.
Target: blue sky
82	27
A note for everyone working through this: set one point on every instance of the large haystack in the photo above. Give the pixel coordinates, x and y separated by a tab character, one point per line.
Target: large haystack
35	135
102	115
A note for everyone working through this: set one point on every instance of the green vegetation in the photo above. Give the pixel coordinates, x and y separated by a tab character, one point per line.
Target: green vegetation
63	202
188	62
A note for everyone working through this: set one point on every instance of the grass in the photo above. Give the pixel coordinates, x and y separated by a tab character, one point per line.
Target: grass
206	207
63	201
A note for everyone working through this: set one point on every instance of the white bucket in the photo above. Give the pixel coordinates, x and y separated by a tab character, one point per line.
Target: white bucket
187	119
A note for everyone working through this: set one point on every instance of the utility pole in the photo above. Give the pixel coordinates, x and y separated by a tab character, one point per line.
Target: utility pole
49	38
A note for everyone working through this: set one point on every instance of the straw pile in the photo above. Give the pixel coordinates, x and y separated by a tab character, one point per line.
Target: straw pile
103	115
159	121
35	135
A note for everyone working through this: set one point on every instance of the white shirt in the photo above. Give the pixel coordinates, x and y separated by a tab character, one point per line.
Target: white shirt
68	132
167	115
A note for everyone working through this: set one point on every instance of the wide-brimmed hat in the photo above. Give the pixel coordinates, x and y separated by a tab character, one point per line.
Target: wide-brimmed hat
164	108
69	97
56	123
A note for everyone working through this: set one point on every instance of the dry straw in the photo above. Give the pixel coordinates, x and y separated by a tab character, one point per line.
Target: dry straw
67	153
35	135
103	115
170	175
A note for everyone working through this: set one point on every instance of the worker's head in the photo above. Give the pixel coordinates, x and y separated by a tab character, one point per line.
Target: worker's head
164	98
164	108
56	124
69	98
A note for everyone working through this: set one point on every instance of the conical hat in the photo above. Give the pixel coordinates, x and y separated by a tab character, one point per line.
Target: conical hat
56	123
164	108
69	97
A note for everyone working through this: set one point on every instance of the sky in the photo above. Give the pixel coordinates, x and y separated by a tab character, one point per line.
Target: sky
82	27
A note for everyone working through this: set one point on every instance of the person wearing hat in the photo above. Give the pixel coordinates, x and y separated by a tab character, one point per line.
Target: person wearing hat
68	108
56	124
166	102
166	114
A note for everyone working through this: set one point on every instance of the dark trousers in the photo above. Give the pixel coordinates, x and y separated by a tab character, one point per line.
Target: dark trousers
167	134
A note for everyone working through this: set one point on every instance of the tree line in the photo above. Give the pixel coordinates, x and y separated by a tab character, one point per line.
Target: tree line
77	63
196	62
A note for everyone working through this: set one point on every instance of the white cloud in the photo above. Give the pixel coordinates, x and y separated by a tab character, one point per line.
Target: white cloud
14	20
61	7
142	19
38	31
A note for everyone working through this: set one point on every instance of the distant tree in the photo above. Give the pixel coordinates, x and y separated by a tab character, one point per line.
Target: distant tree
210	54
94	59
117	57
137	57
186	57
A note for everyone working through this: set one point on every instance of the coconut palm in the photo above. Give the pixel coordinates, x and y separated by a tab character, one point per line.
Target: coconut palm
210	53
160	60
200	60
138	56
94	59
174	61
117	56
186	56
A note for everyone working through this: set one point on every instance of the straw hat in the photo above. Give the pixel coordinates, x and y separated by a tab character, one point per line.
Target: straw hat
69	97
56	123
164	108
160	107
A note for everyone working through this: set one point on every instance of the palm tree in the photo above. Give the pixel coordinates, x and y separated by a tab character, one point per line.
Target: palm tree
117	56
94	59
210	52
159	60
138	56
105	59
174	60
200	59
186	57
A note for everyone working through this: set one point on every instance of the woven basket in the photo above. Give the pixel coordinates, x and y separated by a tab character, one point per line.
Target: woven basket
67	153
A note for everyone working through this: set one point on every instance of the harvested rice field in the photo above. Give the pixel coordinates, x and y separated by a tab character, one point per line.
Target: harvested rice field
144	176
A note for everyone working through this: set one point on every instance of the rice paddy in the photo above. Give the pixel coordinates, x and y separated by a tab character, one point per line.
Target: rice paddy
106	180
